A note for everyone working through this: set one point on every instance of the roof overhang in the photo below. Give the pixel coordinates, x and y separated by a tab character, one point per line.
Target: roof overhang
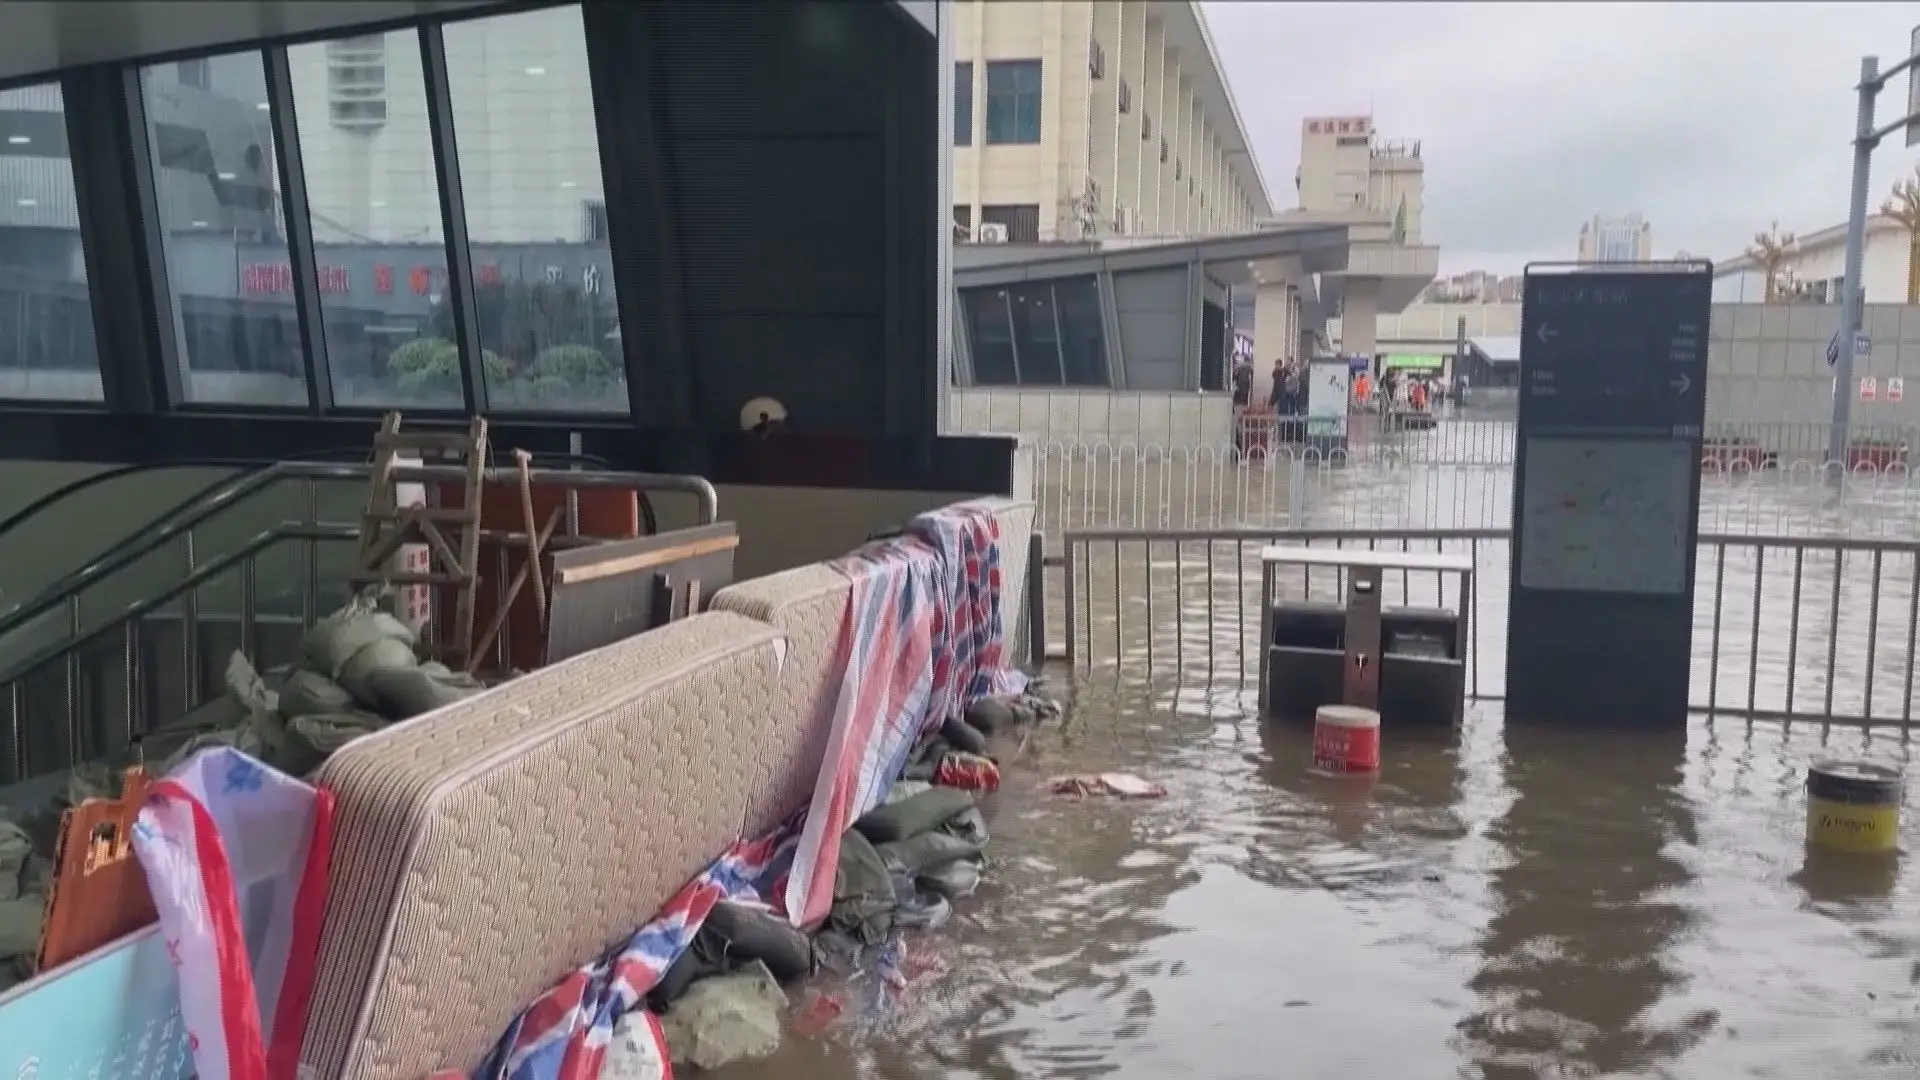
1399	273
1187	35
1231	260
43	37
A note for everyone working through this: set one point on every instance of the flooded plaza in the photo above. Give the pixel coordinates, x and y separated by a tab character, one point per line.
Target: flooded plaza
1509	902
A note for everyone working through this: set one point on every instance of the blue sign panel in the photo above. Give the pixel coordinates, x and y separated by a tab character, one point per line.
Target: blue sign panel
1607	493
113	1014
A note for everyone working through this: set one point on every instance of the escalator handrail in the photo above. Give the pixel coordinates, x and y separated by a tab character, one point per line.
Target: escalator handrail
85	483
242	487
200	576
77	486
167	528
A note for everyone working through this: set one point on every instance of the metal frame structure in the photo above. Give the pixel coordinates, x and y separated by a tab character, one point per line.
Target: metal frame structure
1811	576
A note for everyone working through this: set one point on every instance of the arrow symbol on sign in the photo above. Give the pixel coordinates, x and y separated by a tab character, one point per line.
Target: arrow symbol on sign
1545	333
1681	384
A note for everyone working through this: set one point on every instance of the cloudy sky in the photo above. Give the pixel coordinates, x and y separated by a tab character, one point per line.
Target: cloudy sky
1712	119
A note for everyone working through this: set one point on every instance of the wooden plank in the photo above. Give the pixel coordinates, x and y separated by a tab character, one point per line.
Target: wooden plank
645	560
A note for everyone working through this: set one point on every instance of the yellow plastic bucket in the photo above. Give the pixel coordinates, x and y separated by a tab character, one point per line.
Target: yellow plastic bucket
1854	806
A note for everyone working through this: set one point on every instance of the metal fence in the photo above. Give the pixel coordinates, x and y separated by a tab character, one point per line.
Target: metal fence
1457	475
1783	627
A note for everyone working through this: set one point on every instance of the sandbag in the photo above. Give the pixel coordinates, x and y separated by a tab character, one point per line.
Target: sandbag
990	714
954	880
922	813
333	641
313	739
916	855
964	736
381	654
15	846
404	693
309	693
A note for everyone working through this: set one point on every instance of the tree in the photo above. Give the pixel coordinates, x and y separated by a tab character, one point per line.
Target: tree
1770	251
547	341
1903	206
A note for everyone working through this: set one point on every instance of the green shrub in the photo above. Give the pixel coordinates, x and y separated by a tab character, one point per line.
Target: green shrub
430	366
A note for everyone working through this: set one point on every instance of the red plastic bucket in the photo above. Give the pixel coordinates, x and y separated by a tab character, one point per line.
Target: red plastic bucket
1346	739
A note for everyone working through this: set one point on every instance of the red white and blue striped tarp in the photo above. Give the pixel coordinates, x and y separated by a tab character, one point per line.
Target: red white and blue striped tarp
921	638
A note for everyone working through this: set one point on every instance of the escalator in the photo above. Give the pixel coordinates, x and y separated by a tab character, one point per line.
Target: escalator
128	640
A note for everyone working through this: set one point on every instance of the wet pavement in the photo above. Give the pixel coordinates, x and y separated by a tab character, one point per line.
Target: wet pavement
1510	902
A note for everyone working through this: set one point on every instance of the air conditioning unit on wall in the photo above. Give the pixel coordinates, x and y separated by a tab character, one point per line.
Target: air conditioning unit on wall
992	232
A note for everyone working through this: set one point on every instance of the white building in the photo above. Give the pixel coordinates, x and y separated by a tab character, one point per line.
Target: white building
1377	189
1815	268
1081	119
1616	238
523	126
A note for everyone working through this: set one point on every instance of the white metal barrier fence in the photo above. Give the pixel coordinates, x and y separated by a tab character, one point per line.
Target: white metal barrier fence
1783	627
1457	475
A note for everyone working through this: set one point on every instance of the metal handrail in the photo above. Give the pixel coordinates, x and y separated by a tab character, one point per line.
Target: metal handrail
13	679
187	517
290	530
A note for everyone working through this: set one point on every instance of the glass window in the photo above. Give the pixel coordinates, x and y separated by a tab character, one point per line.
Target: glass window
360	105
222	230
46	322
991	337
529	162
1083	351
963	103
1036	334
1013	101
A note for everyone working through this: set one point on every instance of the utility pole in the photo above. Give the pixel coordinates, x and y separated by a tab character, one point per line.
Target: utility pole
1866	139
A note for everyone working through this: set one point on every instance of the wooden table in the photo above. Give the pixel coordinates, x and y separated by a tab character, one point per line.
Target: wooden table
1361	681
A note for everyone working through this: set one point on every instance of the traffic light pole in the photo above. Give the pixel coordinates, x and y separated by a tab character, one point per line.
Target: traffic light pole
1866	139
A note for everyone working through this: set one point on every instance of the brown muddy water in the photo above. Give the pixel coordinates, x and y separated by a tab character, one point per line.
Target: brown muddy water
1516	904
1508	903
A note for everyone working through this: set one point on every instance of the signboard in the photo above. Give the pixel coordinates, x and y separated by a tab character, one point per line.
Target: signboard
1415	363
1329	384
1896	388
412	604
1339	125
1607	493
1869	388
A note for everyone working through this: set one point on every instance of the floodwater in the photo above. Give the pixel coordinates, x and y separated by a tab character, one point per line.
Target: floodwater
1509	902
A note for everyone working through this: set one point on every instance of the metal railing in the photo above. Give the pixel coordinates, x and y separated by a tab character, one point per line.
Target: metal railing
1783	627
81	675
1755	478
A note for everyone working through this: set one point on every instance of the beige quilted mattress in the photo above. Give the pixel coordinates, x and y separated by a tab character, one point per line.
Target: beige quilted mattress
483	850
809	605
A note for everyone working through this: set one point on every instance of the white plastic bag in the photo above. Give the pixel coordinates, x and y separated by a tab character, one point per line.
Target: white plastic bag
235	854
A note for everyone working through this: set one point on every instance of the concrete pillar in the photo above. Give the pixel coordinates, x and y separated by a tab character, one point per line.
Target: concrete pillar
1360	317
1152	104
1131	53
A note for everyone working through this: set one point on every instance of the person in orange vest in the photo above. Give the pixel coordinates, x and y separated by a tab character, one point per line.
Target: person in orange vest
1361	386
1417	395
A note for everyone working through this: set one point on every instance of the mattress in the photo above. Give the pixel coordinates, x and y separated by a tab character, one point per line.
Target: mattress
485	849
809	605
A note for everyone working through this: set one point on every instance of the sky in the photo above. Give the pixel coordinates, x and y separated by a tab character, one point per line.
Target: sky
1711	119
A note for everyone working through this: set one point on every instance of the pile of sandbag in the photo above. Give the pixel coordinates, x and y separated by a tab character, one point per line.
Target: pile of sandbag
357	673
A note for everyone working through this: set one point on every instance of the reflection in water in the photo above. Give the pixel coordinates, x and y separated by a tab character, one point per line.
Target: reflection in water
1588	905
1500	904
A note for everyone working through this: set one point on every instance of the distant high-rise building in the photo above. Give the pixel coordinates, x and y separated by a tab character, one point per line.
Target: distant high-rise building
1610	238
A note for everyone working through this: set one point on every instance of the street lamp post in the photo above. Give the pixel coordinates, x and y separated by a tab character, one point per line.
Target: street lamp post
1866	138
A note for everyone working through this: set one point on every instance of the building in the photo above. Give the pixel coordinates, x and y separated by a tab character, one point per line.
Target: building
322	211
1622	238
1076	120
1813	268
1474	287
1376	189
